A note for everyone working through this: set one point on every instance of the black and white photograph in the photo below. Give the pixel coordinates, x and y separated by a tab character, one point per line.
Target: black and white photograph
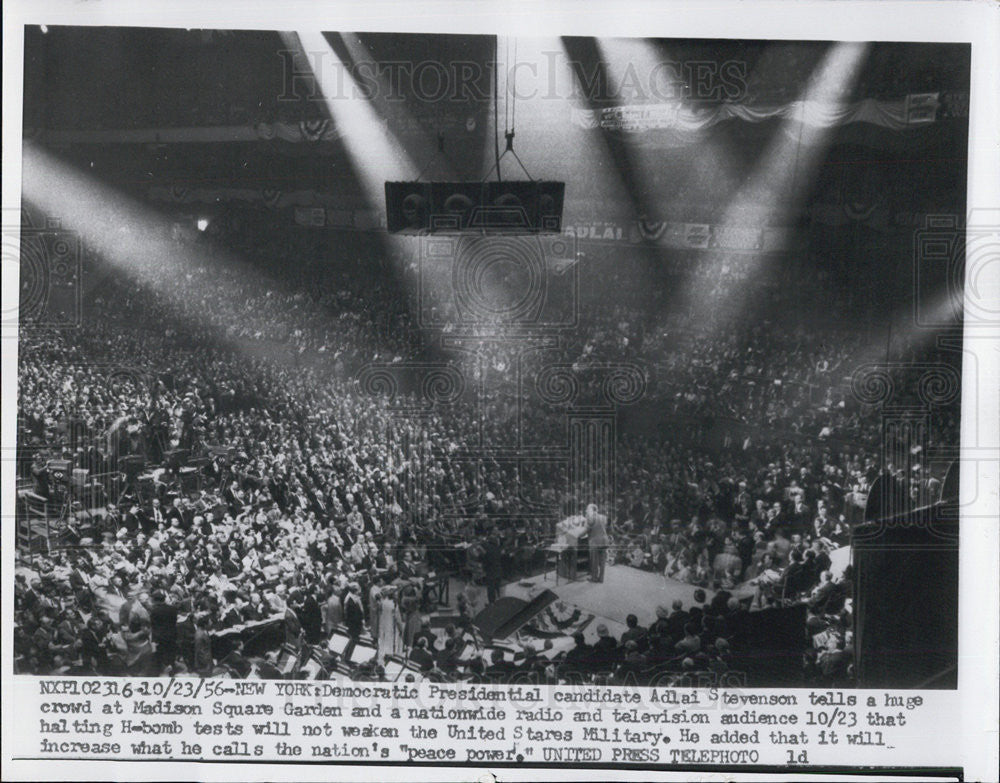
462	359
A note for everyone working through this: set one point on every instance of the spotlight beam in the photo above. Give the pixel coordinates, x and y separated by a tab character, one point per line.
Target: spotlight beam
795	152
421	147
378	157
137	241
783	171
584	51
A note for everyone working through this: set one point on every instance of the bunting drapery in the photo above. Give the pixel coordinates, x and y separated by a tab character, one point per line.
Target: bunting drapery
675	124
680	124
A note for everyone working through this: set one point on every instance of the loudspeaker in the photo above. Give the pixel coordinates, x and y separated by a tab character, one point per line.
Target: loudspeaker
421	207
408	206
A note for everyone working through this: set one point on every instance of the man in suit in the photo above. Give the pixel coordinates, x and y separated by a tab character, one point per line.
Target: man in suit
676	621
176	512
580	659
163	625
333	611
311	617
794	578
605	652
421	656
354	612
500	670
234	497
131	521
151	522
425	632
236	661
492	567
293	623
635	632
31	598
597	540
447	659
92	645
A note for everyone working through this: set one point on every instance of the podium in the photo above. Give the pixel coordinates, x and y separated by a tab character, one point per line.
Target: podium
574	553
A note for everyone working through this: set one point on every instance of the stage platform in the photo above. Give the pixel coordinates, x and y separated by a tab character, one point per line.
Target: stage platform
624	591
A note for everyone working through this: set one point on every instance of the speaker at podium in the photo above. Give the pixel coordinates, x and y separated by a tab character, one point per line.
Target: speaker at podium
572	547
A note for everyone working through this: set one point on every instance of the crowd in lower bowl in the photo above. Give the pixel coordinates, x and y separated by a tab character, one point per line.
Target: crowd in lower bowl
310	516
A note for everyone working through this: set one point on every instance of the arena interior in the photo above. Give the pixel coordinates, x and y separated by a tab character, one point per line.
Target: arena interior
261	435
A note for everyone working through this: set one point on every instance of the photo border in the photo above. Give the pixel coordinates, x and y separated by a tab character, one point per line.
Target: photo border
972	747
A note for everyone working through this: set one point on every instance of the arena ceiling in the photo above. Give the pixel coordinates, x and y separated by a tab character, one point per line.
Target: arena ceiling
87	90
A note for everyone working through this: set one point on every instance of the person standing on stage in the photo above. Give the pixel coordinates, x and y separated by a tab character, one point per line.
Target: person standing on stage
597	539
354	613
163	626
493	566
389	627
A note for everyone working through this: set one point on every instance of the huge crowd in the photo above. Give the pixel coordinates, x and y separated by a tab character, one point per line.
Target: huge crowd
321	507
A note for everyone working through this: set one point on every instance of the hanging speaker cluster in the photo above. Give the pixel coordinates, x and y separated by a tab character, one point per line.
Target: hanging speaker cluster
427	207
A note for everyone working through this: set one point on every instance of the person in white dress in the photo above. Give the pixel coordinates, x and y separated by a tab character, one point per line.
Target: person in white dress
390	626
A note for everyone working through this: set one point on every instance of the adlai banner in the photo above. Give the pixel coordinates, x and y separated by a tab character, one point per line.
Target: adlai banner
683	236
704	236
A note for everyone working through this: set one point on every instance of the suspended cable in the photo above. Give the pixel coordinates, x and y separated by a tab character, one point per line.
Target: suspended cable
510	103
513	93
506	86
496	107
